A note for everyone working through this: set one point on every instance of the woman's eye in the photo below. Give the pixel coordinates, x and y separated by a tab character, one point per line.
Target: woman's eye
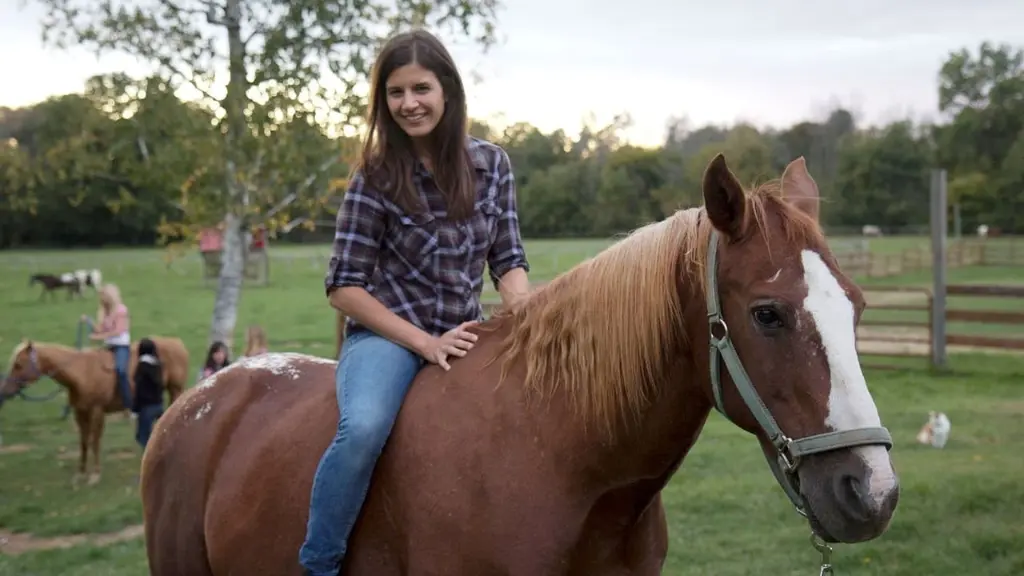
767	317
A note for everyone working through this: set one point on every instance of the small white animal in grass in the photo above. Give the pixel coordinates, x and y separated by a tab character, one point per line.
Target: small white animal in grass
936	432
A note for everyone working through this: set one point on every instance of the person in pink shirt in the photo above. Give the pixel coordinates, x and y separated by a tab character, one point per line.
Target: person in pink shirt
112	327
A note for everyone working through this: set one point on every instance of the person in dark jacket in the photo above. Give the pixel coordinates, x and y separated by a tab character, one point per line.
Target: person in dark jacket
149	391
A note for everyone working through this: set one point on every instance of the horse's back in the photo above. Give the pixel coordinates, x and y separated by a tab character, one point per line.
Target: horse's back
223	458
226	481
174	357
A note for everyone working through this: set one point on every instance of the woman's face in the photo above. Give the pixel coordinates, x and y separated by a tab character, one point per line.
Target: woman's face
415	99
218	356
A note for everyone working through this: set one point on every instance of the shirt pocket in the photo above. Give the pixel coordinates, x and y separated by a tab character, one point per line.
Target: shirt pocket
413	243
483	232
485	224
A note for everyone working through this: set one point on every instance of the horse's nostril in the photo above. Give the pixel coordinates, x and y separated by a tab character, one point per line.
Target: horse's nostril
852	497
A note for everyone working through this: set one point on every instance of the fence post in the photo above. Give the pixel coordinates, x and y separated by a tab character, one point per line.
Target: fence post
939	224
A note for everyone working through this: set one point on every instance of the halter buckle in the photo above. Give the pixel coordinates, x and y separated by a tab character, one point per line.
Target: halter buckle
716	320
787	462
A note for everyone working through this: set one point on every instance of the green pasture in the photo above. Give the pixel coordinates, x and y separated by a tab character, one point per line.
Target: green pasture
959	511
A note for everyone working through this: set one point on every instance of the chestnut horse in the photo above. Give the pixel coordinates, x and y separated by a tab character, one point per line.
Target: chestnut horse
544	451
89	377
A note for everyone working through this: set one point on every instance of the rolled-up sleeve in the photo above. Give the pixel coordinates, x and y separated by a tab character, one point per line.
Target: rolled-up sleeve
358	234
507	252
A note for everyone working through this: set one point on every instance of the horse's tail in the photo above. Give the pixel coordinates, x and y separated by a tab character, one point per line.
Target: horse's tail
339	332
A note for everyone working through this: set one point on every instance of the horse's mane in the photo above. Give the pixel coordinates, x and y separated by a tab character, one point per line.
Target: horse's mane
18	349
603	331
21	346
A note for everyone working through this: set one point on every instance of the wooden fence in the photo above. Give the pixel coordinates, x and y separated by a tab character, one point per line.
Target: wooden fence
897	323
900	322
862	262
1001	318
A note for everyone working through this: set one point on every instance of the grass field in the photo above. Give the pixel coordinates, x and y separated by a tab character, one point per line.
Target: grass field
959	511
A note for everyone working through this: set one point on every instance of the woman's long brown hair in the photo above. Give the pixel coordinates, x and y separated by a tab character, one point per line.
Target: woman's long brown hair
388	158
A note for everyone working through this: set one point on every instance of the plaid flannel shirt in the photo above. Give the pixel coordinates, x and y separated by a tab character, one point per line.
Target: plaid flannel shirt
423	267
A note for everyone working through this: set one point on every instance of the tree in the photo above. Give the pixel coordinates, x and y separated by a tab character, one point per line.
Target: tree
883	179
287	62
983	95
749	153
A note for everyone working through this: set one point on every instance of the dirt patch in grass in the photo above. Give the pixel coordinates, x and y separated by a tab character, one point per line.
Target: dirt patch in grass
15	449
113	455
13	544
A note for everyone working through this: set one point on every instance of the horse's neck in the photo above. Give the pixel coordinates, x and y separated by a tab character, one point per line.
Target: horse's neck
653	445
61	365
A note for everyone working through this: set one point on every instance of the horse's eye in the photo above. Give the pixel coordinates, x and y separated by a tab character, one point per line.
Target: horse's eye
767	317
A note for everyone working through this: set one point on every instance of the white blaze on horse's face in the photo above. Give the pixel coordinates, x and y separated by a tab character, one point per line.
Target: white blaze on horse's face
850	405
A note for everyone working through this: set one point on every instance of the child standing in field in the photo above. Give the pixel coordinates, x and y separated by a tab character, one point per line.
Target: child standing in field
255	341
149	388
216	359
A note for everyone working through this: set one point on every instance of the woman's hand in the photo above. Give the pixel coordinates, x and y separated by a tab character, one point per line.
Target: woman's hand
455	342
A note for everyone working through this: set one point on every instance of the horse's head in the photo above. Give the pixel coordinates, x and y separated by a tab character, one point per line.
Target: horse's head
22	370
782	320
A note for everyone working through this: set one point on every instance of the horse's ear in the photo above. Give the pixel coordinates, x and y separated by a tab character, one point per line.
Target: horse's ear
800	189
724	199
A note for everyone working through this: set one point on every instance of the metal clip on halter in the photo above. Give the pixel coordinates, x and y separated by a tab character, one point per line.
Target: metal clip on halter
826	555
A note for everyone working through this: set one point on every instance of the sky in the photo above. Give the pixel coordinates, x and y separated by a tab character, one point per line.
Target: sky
721	61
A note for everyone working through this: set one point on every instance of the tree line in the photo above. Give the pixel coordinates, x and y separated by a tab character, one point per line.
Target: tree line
120	163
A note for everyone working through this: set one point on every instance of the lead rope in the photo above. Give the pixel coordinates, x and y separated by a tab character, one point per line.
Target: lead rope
826	555
79	342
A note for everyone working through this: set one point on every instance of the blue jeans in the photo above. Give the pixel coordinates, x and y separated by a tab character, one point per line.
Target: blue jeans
371	381
121	356
148	416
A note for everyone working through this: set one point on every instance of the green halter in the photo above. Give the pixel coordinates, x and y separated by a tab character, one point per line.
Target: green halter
790	451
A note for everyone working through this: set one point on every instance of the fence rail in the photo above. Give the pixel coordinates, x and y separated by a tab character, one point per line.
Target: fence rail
897	324
902	323
859	261
997	317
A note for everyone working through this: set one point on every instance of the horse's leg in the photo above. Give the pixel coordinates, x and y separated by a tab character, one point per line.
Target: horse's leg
82	420
174	390
96	432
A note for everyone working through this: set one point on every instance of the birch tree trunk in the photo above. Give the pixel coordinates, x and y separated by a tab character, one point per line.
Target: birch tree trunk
229	286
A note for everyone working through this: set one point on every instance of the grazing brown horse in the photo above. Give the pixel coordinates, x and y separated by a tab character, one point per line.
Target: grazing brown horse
89	377
544	451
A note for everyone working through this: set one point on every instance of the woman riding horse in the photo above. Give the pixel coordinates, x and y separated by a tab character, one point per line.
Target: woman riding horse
426	209
113	327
